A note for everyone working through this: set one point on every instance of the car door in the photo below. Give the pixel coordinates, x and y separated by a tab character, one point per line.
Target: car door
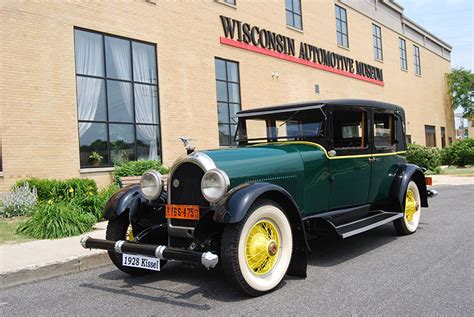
385	161
349	165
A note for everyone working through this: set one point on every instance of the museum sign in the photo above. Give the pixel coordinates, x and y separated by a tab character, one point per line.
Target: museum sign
262	41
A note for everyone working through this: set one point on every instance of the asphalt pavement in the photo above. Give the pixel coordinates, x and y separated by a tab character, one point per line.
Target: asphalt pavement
375	273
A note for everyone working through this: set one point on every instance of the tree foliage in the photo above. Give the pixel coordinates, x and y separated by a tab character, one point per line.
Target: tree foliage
461	84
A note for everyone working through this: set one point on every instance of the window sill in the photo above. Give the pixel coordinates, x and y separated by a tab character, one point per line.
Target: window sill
97	170
343	47
378	60
404	70
226	4
417	75
1	174
294	29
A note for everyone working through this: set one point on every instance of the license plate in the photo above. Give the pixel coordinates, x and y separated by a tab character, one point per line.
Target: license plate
141	261
190	212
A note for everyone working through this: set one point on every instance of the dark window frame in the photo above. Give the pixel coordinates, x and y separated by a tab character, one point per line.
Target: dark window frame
377	37
229	123
341	22
231	2
132	82
433	129
293	12
403	54
416	54
443	137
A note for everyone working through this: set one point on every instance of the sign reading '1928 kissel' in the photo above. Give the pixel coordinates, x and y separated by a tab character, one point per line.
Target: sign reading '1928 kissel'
253	38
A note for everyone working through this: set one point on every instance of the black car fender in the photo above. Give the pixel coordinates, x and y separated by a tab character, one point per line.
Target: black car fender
127	198
404	175
235	204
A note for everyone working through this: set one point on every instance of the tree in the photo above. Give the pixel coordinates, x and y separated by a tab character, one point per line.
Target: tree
461	88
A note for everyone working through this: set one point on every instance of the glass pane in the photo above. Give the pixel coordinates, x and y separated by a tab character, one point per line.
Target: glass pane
122	147
220	69
297	21
339	39
234	95
343	15
338	26
93	144
232	71
289	18
148	141
90	99
117	58
297	6
120	101
221	91
146	104
344	41
223	112
144	63
233	128
288	4
344	28
224	134
89	53
338	12
233	108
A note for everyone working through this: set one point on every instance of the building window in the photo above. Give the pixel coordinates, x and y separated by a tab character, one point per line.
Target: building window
377	36
403	54
443	137
293	14
117	99
430	135
228	99
1	162
408	138
233	2
450	140
417	60
341	26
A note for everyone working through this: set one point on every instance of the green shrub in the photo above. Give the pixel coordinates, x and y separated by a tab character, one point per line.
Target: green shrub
56	190
137	168
460	153
94	204
20	201
427	157
57	220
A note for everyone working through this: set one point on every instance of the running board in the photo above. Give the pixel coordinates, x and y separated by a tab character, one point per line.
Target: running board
352	228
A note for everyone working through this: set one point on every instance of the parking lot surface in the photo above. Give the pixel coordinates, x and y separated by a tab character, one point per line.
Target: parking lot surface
375	273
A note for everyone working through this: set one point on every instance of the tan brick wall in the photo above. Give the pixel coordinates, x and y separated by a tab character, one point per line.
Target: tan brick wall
38	89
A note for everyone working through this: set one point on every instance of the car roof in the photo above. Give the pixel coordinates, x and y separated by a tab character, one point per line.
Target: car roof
319	104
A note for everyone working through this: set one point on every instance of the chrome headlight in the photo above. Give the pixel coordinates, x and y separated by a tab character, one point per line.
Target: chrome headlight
151	185
214	185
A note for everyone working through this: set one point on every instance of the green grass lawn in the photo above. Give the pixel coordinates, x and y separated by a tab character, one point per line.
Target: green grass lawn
8	233
452	170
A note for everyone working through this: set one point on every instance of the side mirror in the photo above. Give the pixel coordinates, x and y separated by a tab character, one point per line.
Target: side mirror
332	153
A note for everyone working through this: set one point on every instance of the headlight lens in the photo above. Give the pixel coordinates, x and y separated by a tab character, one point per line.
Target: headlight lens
151	185
214	185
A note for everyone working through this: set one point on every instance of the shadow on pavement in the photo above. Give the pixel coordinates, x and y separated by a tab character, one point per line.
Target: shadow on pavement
190	283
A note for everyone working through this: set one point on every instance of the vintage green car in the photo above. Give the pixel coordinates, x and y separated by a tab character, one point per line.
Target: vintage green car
299	171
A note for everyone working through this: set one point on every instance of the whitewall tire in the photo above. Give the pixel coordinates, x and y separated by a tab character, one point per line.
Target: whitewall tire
408	224
256	251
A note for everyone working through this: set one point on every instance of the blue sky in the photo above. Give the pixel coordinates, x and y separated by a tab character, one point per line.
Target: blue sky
450	20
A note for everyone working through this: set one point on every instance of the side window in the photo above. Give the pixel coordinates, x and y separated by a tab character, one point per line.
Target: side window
384	130
350	130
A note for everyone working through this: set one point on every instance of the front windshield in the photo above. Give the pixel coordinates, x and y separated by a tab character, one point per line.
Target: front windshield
288	126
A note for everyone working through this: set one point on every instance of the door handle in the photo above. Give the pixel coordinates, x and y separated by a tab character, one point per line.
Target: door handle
372	159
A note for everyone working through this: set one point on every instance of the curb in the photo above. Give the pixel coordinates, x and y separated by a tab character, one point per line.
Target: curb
58	268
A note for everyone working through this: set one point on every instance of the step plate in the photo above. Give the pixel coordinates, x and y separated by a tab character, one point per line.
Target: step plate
365	224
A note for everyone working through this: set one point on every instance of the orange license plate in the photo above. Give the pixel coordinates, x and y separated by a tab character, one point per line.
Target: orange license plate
190	212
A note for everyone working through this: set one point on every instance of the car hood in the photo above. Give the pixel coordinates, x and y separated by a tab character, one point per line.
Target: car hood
262	163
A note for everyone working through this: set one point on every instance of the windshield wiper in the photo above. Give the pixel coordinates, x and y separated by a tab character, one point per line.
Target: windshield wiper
290	118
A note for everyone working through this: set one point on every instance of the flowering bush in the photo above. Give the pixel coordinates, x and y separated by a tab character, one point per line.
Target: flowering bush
20	201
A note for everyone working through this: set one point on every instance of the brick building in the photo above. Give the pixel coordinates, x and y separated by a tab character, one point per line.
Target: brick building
124	79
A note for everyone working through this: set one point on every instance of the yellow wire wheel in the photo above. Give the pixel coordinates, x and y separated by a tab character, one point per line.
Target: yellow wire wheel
411	206
256	252
262	247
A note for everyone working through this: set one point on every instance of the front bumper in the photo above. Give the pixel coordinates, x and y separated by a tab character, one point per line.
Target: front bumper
207	259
